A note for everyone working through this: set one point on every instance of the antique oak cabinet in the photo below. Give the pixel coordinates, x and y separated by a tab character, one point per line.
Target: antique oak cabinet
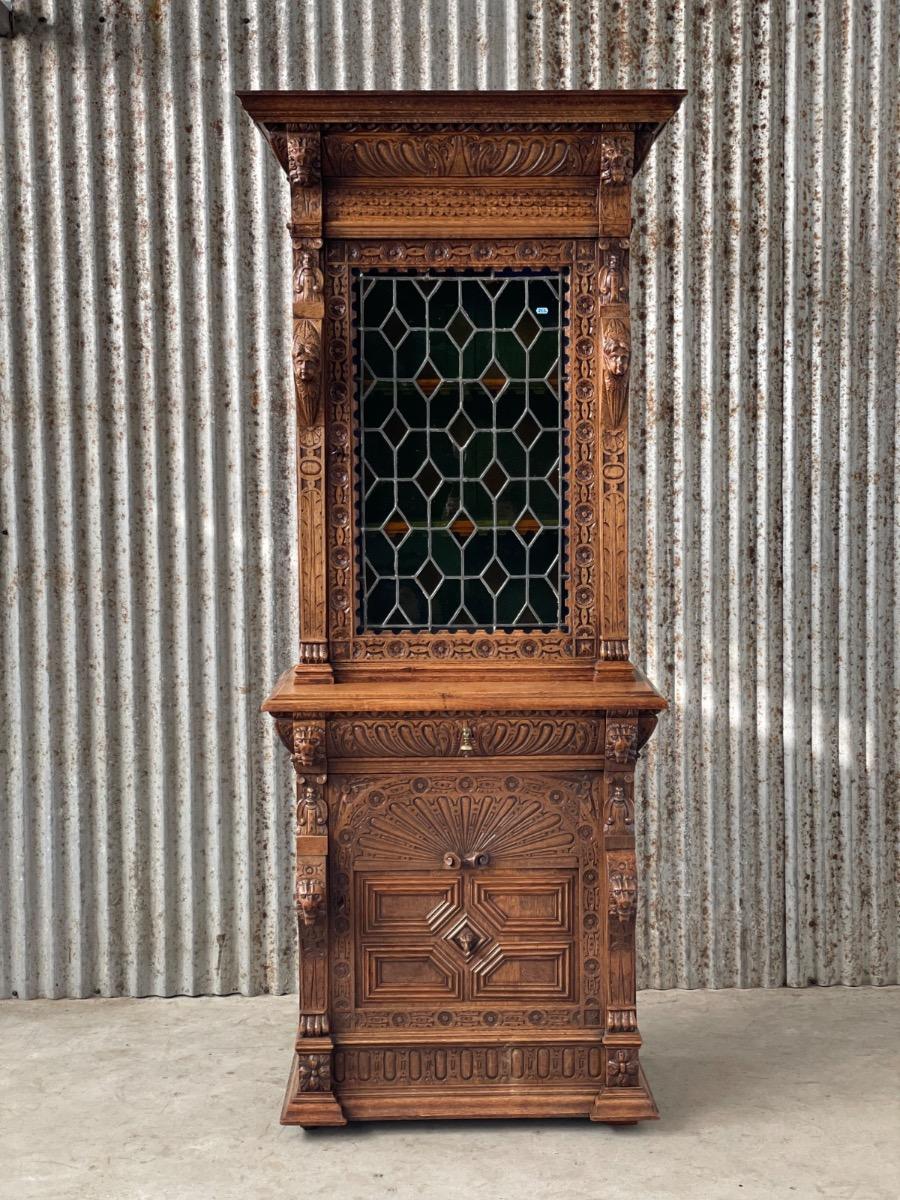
463	717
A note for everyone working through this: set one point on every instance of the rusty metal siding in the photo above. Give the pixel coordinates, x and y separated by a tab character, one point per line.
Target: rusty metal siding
147	474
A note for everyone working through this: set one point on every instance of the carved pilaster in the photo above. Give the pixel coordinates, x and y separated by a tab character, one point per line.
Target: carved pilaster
309	1099
303	160
615	367
620	755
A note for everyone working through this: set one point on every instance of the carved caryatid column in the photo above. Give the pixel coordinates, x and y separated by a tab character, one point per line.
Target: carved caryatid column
614	359
625	1089
310	1092
303	153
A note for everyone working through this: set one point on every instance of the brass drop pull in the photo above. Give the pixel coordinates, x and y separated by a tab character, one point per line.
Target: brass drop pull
477	860
466	744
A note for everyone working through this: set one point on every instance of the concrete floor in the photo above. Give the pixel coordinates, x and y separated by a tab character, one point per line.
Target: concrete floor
763	1094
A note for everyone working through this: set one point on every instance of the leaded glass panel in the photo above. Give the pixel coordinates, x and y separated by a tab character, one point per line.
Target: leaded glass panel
461	428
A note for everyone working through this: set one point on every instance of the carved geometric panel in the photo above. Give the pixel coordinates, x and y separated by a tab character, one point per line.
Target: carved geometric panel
523	971
410	974
406	904
535	903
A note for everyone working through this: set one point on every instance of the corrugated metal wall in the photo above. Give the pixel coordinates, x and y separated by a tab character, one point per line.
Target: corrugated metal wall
147	474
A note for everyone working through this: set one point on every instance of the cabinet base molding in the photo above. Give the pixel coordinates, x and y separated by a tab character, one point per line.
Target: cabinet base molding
310	1102
625	1105
315	1105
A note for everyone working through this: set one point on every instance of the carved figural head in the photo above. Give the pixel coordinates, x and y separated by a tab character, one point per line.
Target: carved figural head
615	160
623	893
302	160
307	744
616	348
309	900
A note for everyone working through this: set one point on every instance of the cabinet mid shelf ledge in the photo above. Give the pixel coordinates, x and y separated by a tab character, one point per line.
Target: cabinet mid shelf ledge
463	716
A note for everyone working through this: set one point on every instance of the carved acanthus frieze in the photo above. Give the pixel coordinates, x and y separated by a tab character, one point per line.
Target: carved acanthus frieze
447	154
430	736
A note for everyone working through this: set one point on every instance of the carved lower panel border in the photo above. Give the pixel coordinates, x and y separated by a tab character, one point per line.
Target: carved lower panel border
446	1066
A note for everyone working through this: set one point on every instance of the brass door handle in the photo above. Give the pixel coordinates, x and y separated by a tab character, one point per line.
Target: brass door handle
466	742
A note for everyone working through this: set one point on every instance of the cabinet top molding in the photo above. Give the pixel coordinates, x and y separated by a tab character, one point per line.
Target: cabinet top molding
646	110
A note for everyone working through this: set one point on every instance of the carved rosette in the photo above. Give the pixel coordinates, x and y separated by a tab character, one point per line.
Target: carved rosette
314	1073
622	1068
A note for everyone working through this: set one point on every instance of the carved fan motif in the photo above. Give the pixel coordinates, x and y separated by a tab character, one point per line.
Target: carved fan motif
424	829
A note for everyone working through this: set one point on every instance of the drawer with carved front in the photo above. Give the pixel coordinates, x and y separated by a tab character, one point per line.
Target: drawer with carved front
467	736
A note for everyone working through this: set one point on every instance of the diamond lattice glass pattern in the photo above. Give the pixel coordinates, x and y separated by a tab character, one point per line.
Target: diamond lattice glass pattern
461	448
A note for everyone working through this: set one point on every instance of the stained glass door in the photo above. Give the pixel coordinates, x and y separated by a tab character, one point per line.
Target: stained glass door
461	445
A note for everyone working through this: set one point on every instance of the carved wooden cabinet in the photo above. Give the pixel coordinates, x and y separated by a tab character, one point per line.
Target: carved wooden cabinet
463	717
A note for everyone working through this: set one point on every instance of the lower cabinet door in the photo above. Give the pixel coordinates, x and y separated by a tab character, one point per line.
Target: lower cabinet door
465	900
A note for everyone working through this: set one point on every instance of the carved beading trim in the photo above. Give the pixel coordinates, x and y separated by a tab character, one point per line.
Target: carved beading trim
350	209
582	480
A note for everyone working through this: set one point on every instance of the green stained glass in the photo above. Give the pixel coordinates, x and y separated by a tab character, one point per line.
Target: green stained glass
461	441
